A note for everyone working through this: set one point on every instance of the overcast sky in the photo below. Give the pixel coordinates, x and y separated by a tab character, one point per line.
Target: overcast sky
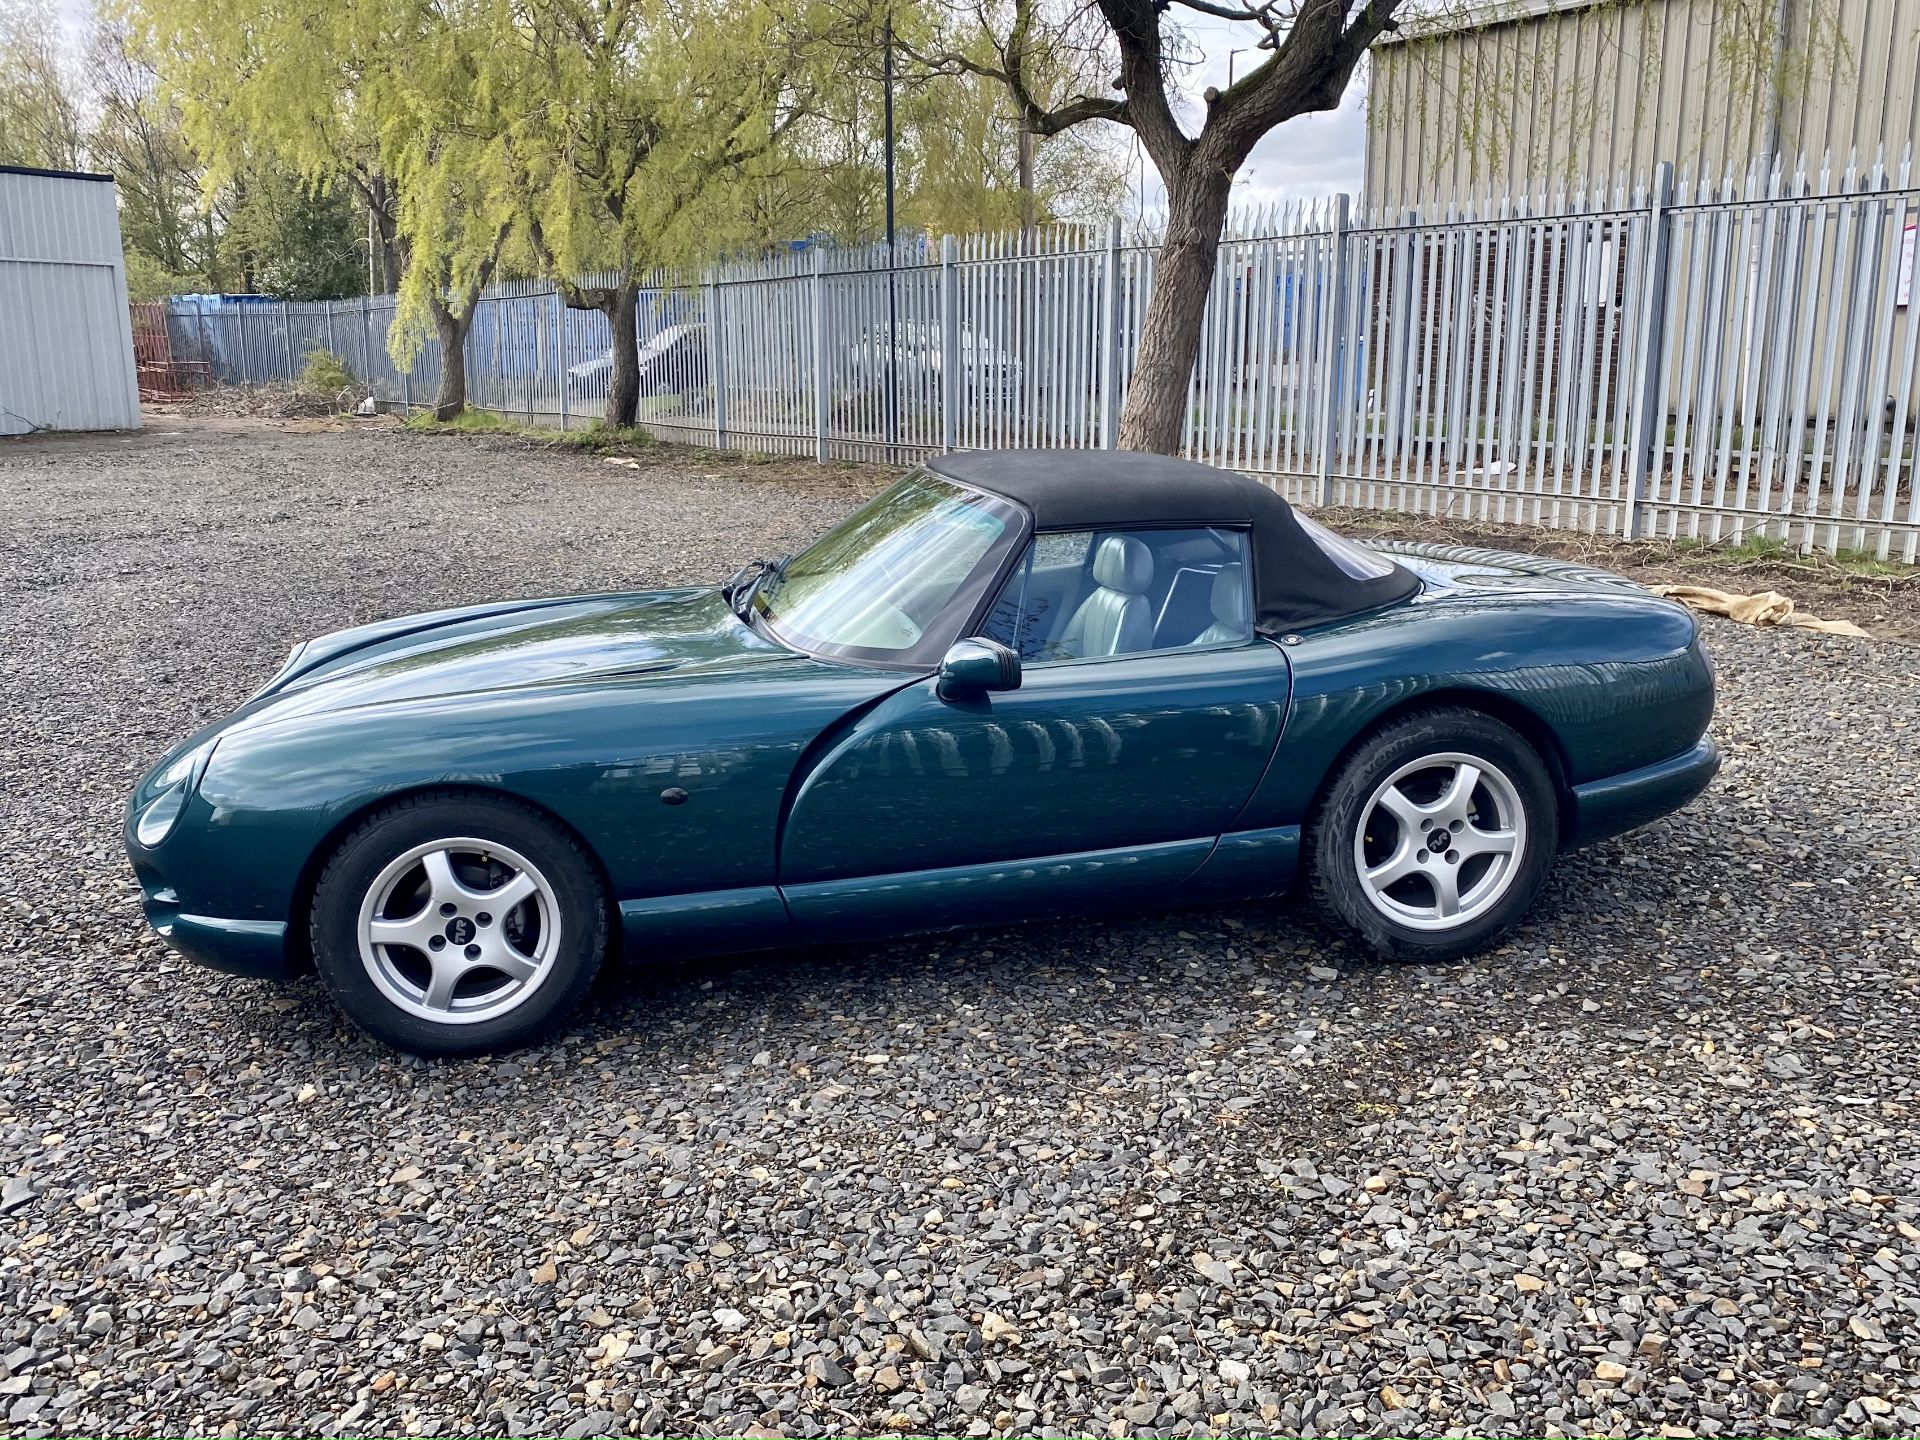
1310	156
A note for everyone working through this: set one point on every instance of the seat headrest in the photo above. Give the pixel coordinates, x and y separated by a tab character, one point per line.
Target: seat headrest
1122	563
1230	595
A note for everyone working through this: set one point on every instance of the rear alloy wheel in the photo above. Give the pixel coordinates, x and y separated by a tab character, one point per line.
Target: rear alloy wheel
1436	836
454	925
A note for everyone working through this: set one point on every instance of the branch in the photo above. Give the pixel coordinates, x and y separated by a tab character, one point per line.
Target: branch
1267	16
1308	72
1036	118
1143	76
575	296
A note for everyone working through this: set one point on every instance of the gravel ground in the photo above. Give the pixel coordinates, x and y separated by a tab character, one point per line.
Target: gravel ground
1651	1168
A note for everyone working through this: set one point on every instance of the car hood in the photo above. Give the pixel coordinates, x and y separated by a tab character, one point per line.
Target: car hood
490	648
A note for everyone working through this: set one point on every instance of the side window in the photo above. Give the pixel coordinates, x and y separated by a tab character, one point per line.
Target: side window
1083	594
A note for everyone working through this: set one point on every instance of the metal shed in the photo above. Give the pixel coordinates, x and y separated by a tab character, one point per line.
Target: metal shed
66	344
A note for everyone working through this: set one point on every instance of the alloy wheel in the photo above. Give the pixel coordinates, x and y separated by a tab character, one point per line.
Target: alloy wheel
1440	841
459	931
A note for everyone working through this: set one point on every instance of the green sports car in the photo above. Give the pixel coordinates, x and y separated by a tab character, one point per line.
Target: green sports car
1015	684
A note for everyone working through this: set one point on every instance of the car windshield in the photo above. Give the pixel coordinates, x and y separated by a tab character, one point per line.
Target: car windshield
896	581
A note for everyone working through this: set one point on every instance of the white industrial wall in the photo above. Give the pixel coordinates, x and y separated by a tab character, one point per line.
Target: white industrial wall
66	344
1502	96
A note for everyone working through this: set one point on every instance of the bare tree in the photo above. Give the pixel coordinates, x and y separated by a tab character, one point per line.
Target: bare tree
1312	47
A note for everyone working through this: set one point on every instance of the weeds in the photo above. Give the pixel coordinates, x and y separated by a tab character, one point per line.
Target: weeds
596	439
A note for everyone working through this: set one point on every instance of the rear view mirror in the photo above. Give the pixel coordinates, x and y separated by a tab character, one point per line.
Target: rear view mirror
973	667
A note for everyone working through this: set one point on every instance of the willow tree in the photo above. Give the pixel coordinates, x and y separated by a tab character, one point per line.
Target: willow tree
632	133
1310	49
361	93
963	164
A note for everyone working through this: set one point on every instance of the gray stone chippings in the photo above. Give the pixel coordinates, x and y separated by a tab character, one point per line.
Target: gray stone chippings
1648	1168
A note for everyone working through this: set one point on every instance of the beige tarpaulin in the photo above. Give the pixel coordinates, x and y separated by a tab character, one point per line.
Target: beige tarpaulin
1768	607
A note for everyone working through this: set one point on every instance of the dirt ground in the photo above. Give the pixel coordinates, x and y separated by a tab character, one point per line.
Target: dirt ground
1649	1167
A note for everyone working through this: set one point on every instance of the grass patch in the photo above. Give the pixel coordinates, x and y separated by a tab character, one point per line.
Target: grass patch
466	422
596	439
1768	551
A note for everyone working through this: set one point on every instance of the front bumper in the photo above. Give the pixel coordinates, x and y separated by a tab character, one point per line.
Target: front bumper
257	948
1602	808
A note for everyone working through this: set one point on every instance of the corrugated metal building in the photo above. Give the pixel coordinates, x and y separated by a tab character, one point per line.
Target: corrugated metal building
66	344
1506	97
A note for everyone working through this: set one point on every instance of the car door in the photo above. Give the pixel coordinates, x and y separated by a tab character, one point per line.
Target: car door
1100	775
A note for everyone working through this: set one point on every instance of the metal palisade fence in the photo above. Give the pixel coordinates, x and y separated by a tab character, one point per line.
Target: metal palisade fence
1711	359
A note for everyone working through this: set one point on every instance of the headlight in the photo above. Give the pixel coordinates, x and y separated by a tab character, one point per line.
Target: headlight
173	785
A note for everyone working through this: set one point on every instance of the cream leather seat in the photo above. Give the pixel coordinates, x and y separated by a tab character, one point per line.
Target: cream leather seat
1115	619
1229	607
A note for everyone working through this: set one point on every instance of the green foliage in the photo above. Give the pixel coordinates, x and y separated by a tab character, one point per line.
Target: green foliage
147	279
957	167
291	240
322	372
136	137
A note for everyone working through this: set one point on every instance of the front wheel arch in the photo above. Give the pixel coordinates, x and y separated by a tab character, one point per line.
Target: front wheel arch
299	944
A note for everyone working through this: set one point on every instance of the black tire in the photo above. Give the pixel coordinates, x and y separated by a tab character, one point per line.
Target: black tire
1333	869
557	982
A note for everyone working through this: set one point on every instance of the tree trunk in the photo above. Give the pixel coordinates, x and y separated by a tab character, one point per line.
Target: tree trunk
378	196
1023	156
452	332
1156	407
623	381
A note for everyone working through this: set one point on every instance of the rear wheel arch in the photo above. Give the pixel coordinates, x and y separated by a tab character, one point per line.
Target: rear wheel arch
299	944
1466	894
1504	708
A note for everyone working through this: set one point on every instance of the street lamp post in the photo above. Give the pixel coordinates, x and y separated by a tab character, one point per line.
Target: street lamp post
893	337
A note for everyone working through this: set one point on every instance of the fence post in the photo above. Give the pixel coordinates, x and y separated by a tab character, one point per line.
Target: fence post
366	348
1110	341
1647	399
951	390
1333	352
331	350
406	375
286	337
822	375
561	351
717	361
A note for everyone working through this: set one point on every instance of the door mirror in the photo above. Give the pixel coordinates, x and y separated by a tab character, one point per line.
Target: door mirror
973	667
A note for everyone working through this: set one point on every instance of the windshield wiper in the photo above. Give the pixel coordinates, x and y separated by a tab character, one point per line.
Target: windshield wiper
731	590
747	581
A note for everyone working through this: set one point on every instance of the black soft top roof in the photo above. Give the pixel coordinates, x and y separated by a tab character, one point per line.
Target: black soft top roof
1296	582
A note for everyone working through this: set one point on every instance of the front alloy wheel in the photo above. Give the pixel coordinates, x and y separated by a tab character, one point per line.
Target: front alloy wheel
1436	835
452	924
459	931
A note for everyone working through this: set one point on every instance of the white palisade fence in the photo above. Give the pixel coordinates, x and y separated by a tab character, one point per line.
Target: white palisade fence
1703	358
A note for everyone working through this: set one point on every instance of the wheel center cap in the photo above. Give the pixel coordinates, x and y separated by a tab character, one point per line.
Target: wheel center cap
1439	841
460	930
